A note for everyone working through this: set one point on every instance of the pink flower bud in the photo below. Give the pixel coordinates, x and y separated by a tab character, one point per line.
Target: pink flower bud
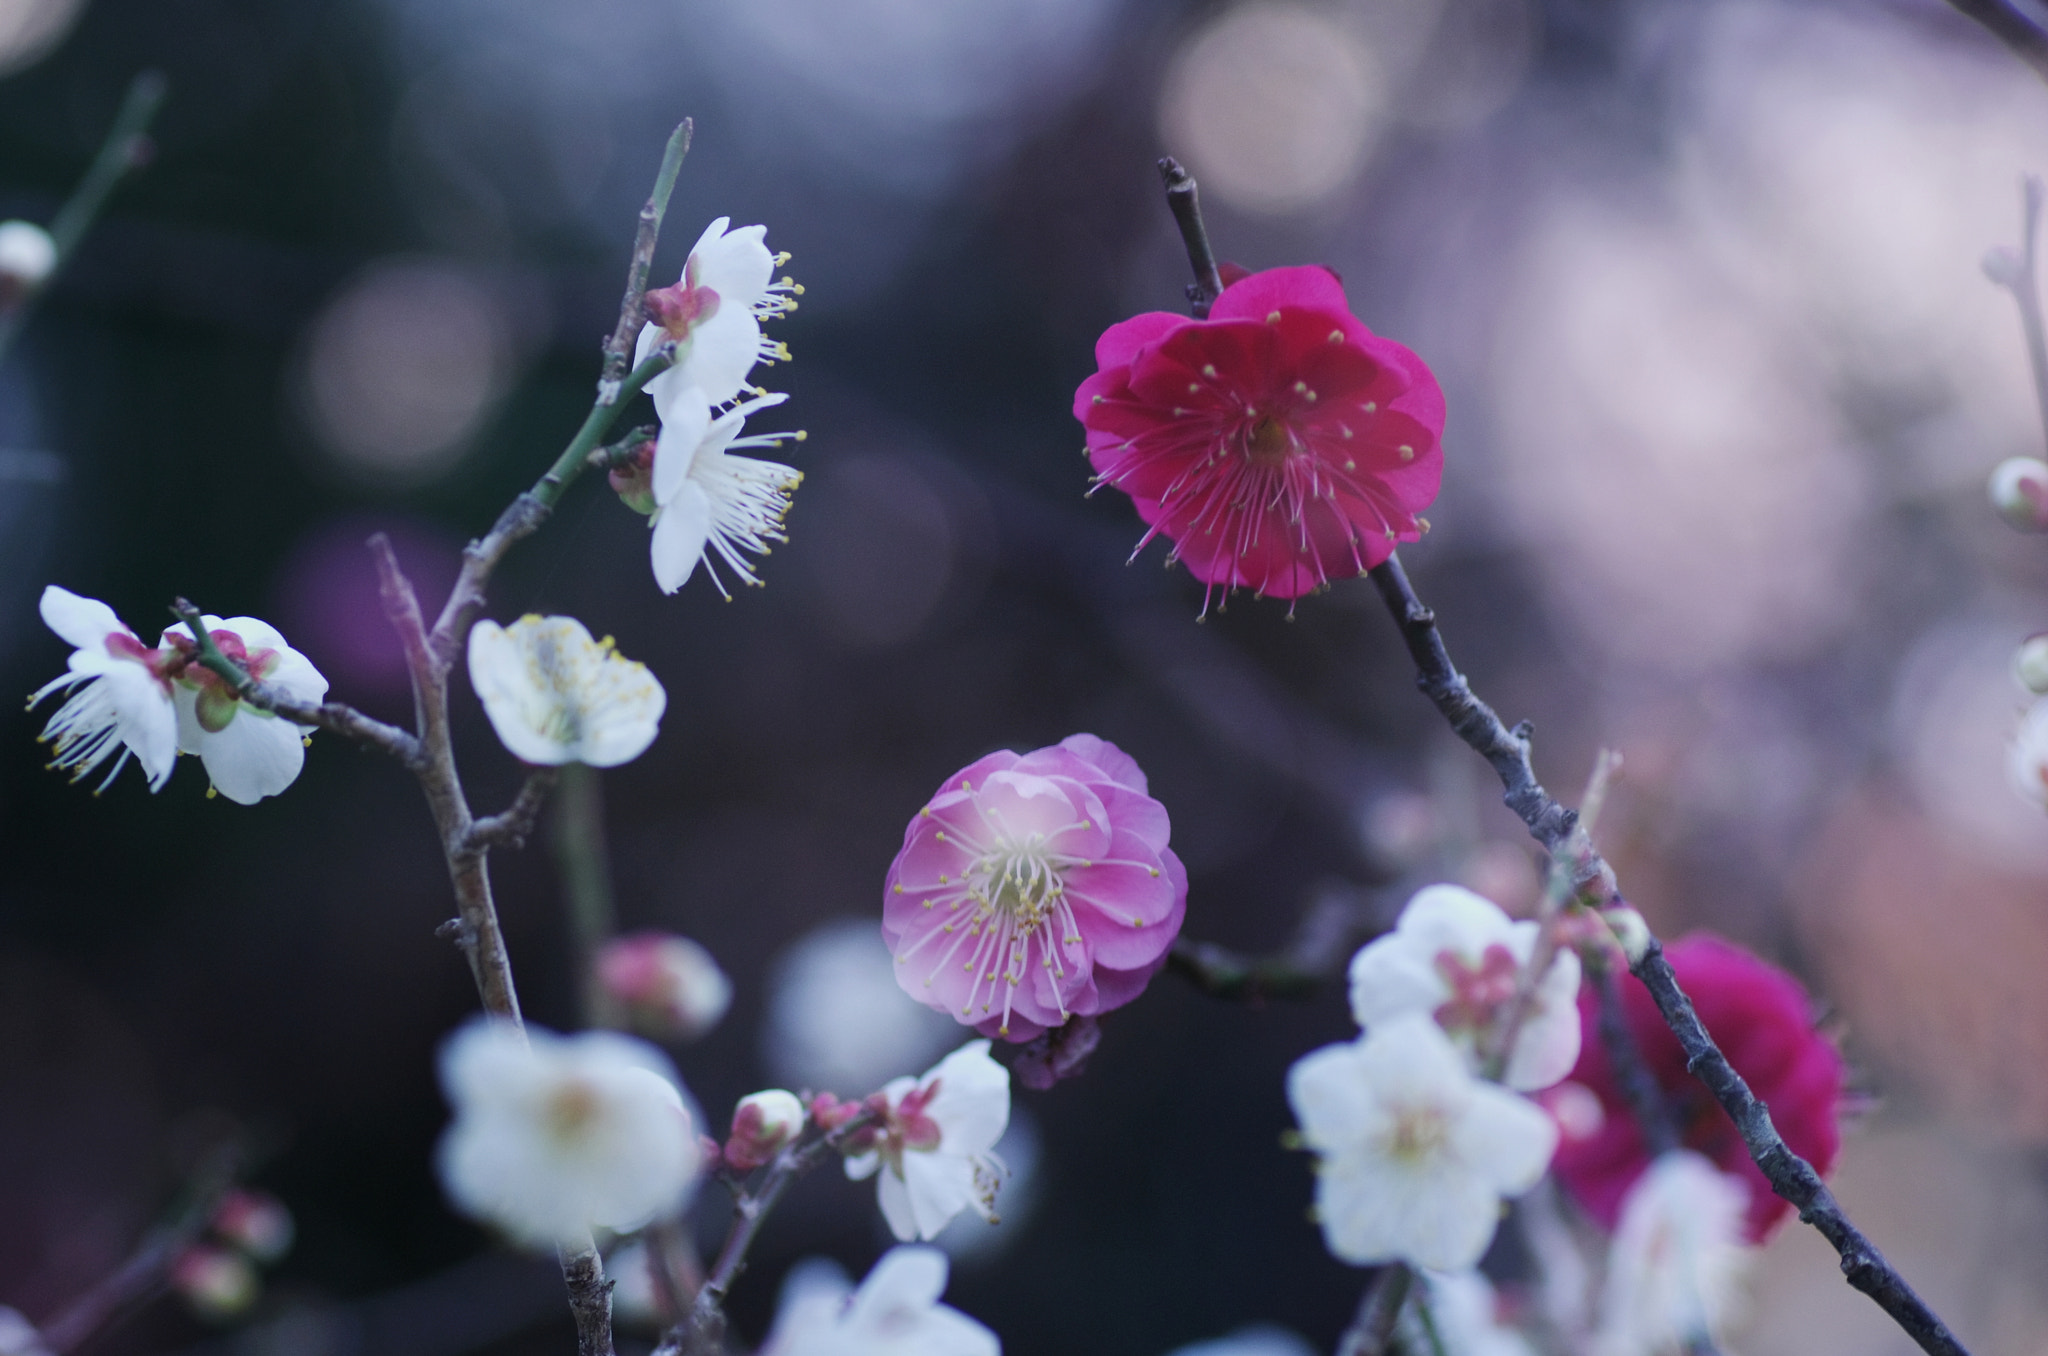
761	1124
669	985
217	1282
256	1222
830	1113
634	479
2019	491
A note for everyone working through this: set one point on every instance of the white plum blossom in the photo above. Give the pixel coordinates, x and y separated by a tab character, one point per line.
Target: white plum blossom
1416	1153
1466	1312
248	752
120	694
1459	958
932	1147
1256	1339
556	696
555	1136
713	315
707	499
27	255
1677	1260
762	1124
896	1312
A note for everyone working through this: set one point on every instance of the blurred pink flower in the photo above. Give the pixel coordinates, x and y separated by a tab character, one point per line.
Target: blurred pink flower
1762	1020
1277	443
1034	888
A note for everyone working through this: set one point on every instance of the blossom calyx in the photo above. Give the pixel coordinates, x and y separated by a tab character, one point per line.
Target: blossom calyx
248	752
762	1124
633	478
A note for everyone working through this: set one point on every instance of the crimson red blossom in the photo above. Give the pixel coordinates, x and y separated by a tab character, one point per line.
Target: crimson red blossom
1763	1021
1278	443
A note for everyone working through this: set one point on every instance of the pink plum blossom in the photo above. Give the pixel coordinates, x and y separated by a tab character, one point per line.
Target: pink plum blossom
1034	888
1277	443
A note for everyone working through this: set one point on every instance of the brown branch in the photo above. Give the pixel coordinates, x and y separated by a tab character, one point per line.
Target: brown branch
1186	206
1379	1309
1558	830
590	1300
1638	1087
514	825
2012	25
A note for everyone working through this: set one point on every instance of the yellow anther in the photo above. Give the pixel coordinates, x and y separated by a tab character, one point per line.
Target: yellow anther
1300	386
1371	405
1422	523
1272	317
1336	336
1194	387
1208	369
1350	465
1407	452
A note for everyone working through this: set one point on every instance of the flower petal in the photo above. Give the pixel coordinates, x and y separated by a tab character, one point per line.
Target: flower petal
679	536
255	755
81	622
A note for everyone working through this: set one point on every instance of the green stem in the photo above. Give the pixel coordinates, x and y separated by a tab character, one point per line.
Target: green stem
575	458
117	155
585	867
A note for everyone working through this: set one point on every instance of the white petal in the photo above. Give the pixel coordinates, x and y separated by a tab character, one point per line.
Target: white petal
1547	1047
679	536
147	719
81	622
860	1167
1505	1139
972	1105
718	355
907	1278
1409	1056
1332	1100
939	1186
683	426
737	266
895	1201
1450	917
1392	975
254	755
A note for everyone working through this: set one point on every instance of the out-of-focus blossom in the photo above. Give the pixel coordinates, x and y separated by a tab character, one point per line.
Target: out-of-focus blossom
556	696
762	1124
1466	1312
2019	491
896	1312
1416	1153
2030	664
27	258
670	986
1255	1339
1761	1018
713	315
630	1269
256	1222
837	1017
18	1336
932	1145
1457	957
2027	756
1675	1266
707	500
120	694
555	1136
1278	444
1034	888
249	753
217	1282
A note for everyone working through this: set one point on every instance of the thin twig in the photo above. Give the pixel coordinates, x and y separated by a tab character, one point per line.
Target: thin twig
622	450
2012	24
1379	1309
124	149
1559	831
1638	1087
514	825
618	352
704	1329
2017	272
1186	206
339	717
590	1299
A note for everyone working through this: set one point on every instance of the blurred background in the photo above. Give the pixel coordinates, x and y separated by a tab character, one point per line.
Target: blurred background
1700	279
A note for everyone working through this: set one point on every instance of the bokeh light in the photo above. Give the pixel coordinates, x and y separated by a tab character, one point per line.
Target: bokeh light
29	29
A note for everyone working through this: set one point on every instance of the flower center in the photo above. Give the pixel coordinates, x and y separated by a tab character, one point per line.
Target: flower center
1269	442
1020	880
1479	992
1418	1135
570	1110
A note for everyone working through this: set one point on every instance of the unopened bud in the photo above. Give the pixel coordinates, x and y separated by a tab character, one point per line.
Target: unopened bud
1630	930
255	1222
2002	265
761	1124
27	258
2019	491
634	479
830	1113
669	985
2030	663
217	1282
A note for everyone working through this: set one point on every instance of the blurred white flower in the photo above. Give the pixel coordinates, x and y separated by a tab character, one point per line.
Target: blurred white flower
2027	756
1256	1339
1457	957
670	986
933	1145
838	1020
555	1136
1675	1267
1466	1312
713	315
556	696
249	753
18	1336
120	694
896	1312
1416	1153
708	500
27	255
216	1282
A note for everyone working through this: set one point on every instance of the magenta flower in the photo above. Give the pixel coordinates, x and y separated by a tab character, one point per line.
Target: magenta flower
1762	1020
1034	888
1278	443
